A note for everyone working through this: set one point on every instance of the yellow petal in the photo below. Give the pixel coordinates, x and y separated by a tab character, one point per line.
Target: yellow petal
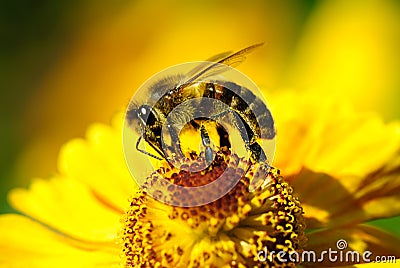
360	238
379	192
330	201
99	163
326	135
25	243
69	207
327	202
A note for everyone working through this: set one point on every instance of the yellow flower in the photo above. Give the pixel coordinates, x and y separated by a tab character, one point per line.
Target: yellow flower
228	232
343	166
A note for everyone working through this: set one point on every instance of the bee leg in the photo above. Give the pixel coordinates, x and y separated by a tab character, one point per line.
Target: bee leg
260	173
257	153
205	138
175	147
246	133
223	137
144	152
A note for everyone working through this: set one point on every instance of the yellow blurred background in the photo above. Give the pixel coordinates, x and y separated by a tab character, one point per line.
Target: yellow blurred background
66	64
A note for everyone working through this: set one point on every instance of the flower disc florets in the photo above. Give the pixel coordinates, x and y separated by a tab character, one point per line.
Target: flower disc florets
229	232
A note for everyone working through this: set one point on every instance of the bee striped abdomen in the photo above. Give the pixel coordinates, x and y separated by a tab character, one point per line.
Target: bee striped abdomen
251	109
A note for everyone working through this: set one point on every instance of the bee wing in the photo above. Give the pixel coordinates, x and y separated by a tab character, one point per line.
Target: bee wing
159	88
207	63
221	63
219	56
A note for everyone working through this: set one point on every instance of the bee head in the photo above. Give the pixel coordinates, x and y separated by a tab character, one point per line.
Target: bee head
140	117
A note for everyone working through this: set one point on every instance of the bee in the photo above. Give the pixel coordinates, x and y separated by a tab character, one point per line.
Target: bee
247	111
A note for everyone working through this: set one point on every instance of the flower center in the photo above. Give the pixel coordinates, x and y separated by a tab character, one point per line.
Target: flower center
241	229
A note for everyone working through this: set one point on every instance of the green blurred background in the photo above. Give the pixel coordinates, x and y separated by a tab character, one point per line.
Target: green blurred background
66	64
